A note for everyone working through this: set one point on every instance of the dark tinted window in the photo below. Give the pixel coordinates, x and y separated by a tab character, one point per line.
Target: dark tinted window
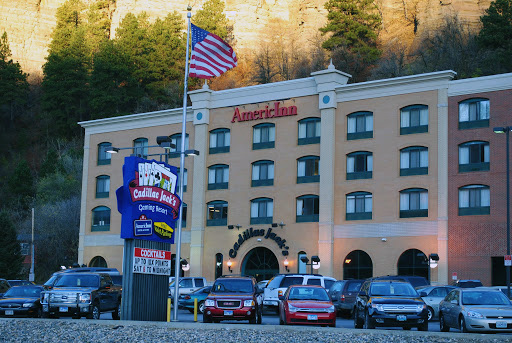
293	280
328	283
199	282
353	286
315	281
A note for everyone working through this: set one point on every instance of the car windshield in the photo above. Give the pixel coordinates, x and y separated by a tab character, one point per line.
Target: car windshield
78	280
51	280
23	292
484	298
308	293
20	283
232	286
354	286
392	289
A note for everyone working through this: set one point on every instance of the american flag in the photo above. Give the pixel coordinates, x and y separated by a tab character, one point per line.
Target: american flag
211	56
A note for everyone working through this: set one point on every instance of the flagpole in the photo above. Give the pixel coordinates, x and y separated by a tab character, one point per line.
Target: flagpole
177	261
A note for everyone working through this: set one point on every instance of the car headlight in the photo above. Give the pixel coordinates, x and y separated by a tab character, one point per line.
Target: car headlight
85	297
474	314
292	308
45	298
421	307
27	304
209	302
378	307
330	309
248	303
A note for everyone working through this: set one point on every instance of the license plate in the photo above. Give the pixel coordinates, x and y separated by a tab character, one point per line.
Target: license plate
401	318
228	313
501	325
312	317
9	312
63	309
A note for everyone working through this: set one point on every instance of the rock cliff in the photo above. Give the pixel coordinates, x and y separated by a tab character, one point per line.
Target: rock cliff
29	23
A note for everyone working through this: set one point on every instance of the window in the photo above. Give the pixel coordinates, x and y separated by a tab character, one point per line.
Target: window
103	155
262	173
360	125
359	165
184	215
413	203
474	200
414	161
308	169
473	156
308	208
185	181
176	140
140	146
217	213
102	186
100	219
262	211
218	177
309	131
414	119
263	136
359	206
219	141
474	113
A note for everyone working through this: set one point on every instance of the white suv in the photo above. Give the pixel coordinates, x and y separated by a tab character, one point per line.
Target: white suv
279	283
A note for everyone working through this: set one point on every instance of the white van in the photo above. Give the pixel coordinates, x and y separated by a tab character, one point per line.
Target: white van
279	283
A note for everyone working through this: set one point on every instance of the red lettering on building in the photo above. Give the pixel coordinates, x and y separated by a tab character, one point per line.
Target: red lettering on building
266	113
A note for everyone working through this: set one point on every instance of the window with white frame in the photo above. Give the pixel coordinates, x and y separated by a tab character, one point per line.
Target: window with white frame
308	208
100	219
140	147
474	156
359	165
262	173
360	125
220	140
413	119
474	200
308	169
218	176
359	206
474	113
413	203
176	140
103	156
262	211
414	161
309	131
263	136
102	186
217	213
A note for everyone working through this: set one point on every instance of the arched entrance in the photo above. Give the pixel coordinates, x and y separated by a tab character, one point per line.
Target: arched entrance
98	261
357	265
413	262
261	263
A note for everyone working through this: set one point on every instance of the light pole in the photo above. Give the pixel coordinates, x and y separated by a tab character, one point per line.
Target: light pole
506	130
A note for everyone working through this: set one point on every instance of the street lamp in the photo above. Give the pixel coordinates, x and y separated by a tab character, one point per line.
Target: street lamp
315	262
506	130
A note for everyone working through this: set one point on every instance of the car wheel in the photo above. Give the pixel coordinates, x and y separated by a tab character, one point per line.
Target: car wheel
253	320
200	306
260	319
430	312
442	325
45	315
423	327
357	323
116	315
281	321
95	312
368	324
462	325
206	319
39	313
76	316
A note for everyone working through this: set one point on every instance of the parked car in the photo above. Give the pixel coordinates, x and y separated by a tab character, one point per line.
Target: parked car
233	298
186	301
4	286
187	285
476	309
414	280
111	271
503	289
82	294
468	283
343	295
389	303
13	283
434	295
21	301
262	284
279	283
308	305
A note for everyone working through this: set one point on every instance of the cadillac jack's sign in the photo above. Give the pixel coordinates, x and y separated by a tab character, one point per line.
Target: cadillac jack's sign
148	201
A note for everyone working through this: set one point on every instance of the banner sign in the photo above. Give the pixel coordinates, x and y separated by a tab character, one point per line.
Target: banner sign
148	201
151	261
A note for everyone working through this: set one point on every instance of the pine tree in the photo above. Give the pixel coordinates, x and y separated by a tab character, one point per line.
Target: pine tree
10	259
211	18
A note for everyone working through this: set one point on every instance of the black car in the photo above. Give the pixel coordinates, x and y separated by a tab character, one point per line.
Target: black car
21	301
414	280
392	303
343	295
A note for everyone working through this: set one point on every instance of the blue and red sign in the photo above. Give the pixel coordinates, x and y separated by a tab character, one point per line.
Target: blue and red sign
148	201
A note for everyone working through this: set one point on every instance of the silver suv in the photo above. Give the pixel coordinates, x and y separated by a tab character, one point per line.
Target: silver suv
279	283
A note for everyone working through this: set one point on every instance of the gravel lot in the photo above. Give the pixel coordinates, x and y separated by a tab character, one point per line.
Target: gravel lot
48	330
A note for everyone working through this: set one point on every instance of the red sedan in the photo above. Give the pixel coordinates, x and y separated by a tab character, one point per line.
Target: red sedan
309	305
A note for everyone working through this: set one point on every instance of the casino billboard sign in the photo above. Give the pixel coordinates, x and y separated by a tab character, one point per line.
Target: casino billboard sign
148	201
